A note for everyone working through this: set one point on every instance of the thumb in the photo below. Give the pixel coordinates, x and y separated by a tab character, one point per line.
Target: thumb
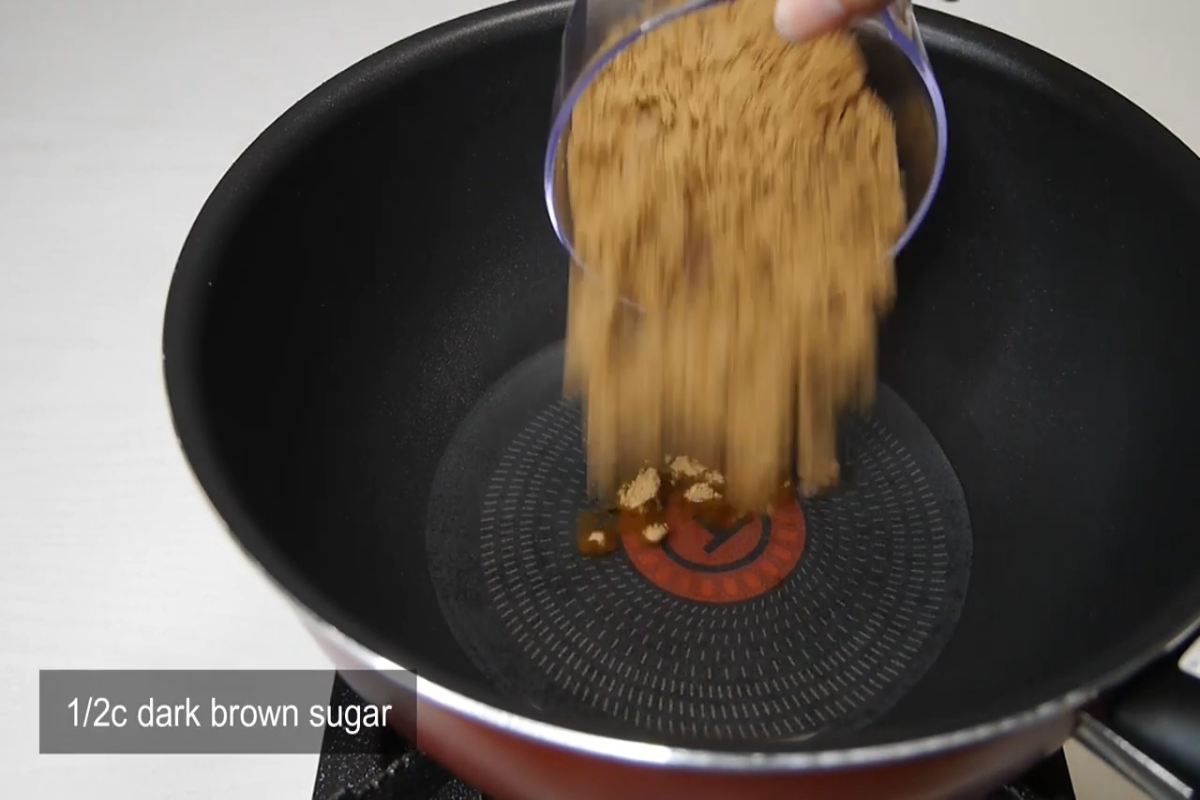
803	19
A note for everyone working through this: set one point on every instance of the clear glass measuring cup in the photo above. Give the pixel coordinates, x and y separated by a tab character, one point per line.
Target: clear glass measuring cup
898	71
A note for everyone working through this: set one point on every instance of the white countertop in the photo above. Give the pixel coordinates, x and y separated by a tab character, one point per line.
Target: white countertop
116	120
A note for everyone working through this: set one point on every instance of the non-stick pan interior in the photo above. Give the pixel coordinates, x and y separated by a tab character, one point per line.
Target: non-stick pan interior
361	332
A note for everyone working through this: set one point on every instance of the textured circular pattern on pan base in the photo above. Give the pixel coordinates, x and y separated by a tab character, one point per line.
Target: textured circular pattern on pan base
866	610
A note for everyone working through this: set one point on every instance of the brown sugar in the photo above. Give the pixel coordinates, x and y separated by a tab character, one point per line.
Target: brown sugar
642	510
742	194
595	535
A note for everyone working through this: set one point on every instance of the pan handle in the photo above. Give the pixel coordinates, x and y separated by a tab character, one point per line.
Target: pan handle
1149	731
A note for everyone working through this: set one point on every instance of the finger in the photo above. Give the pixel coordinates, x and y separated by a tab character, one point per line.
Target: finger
803	19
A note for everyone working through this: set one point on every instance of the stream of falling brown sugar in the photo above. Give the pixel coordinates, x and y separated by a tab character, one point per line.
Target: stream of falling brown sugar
744	193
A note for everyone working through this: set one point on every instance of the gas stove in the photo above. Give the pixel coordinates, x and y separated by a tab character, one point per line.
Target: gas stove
380	765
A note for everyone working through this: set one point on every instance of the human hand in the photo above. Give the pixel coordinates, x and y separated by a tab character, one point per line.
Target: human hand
803	19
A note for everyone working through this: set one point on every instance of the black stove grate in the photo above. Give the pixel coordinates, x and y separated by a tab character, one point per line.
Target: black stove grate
380	765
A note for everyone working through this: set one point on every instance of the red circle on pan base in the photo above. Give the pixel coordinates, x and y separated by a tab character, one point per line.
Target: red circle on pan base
741	568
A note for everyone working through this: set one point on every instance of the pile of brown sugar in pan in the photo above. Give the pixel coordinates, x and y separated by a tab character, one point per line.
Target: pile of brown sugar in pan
743	193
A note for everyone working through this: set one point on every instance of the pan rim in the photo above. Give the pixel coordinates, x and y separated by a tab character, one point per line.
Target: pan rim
633	751
185	310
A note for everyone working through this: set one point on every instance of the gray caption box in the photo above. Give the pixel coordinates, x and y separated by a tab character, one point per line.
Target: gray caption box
207	712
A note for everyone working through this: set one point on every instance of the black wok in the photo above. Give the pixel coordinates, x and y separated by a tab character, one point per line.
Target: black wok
360	353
